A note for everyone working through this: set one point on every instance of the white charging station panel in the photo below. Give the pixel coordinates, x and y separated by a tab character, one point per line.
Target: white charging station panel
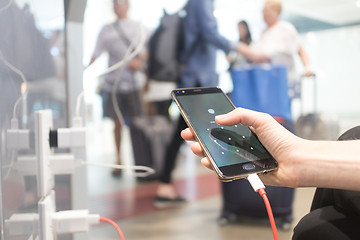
46	210
43	124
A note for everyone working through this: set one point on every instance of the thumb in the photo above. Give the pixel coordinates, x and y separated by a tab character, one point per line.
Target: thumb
243	116
264	126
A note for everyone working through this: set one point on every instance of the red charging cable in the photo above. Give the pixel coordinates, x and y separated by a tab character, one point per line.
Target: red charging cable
262	193
121	234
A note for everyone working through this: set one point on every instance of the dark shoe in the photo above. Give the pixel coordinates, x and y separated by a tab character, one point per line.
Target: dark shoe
164	202
116	172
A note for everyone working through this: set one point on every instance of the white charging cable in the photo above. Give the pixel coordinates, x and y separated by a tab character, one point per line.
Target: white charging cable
22	76
14	120
78	103
129	55
146	171
7	6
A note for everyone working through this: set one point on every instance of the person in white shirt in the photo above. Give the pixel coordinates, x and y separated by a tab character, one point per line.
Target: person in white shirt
115	39
279	44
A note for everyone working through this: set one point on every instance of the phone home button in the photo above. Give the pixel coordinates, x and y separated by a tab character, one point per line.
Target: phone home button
249	166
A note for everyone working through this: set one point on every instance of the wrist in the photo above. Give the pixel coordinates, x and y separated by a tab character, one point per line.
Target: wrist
307	169
300	161
325	164
308	68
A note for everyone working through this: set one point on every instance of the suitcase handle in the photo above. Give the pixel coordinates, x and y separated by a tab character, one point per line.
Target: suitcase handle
313	78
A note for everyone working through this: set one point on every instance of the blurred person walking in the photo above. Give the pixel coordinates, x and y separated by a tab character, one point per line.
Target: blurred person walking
115	39
201	41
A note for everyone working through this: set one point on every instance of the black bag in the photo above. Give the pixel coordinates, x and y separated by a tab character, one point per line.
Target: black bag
149	138
240	200
165	47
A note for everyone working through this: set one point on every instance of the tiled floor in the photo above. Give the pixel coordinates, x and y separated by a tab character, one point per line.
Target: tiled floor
197	220
130	203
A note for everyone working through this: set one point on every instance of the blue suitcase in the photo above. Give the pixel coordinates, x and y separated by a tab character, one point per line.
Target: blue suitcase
263	89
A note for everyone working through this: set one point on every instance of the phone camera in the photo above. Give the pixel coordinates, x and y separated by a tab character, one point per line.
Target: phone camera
178	91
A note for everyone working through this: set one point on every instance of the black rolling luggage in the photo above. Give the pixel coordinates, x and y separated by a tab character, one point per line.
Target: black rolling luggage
240	200
149	138
315	125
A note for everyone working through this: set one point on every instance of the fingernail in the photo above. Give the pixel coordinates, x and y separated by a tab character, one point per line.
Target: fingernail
219	117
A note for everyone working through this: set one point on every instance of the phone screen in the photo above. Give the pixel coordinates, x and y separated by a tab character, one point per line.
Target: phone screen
235	150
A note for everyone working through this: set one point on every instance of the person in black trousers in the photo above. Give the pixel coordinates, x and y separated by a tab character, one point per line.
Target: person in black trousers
201	40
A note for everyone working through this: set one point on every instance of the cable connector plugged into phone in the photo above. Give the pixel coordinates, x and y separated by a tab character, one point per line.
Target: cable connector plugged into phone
259	187
255	182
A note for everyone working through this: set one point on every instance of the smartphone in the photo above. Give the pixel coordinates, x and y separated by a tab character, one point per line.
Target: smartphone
234	151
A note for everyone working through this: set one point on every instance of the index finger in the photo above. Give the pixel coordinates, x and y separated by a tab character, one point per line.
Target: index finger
188	135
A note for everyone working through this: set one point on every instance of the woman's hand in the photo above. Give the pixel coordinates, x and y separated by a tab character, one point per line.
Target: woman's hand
282	145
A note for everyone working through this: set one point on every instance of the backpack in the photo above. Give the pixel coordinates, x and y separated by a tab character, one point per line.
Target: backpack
165	47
